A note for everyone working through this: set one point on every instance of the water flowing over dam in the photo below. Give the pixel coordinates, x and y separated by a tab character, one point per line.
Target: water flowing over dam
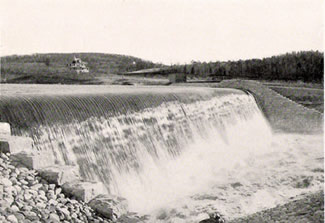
149	145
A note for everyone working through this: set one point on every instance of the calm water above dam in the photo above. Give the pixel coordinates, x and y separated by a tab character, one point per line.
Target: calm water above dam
153	146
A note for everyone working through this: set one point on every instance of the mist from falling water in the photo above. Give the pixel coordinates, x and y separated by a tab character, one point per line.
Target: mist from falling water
156	155
165	180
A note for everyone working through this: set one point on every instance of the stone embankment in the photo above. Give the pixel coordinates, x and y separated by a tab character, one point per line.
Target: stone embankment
34	189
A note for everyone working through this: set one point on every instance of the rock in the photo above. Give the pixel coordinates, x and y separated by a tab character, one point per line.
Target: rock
51	186
109	206
84	191
58	191
4	130
73	201
45	187
214	218
1	192
87	213
42	197
20	196
30	213
30	178
4	156
13	174
64	211
23	170
16	144
11	190
41	192
5	182
162	215
14	208
27	207
74	215
31	216
129	219
31	202
2	218
20	217
54	217
17	171
9	200
62	200
34	159
36	186
11	167
27	196
24	182
60	174
19	204
13	180
51	195
33	192
52	202
4	204
41	205
12	218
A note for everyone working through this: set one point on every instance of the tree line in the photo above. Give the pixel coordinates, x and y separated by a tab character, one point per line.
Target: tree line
305	66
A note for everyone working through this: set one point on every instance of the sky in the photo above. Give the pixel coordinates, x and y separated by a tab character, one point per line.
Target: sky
166	31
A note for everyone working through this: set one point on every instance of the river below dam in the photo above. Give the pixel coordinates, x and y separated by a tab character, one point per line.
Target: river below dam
175	153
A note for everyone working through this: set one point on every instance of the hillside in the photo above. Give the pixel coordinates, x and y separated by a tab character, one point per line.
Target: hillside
52	68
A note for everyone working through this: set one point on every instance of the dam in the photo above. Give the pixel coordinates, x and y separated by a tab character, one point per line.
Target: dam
151	146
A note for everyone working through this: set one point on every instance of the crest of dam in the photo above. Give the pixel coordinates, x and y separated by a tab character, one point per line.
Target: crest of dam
149	145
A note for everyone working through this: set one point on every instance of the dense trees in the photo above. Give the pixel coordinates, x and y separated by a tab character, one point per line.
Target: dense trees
306	66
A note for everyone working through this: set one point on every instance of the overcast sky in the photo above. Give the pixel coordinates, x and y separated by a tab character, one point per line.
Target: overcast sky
168	31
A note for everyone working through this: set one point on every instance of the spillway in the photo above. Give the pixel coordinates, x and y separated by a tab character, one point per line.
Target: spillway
149	145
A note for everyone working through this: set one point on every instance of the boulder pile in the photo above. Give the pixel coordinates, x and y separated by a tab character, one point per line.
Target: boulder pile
33	188
26	197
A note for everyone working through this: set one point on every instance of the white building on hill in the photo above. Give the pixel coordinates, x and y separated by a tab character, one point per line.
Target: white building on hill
78	65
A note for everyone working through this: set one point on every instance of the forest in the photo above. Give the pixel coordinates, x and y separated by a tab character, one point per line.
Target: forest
306	66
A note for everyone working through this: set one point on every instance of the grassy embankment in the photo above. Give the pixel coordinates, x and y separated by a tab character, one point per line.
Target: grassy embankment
309	97
282	113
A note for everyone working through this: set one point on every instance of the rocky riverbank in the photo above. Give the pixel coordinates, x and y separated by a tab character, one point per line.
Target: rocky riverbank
26	197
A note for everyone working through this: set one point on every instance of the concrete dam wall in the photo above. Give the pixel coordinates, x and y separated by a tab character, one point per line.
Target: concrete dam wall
149	145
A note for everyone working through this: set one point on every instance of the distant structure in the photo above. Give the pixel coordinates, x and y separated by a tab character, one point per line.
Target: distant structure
177	77
170	73
78	65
